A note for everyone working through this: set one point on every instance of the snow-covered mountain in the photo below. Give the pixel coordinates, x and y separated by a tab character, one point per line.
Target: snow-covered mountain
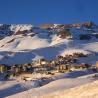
47	41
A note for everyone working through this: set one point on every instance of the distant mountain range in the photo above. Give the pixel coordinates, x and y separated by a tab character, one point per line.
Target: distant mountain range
24	43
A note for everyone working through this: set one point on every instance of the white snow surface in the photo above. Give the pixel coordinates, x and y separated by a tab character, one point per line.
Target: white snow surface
20	27
89	90
62	84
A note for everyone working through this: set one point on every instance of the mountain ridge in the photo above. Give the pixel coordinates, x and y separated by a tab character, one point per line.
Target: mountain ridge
30	42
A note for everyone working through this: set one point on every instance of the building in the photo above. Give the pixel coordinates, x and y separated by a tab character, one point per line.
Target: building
97	65
3	68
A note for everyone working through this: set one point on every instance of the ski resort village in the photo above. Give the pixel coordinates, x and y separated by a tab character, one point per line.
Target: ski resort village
49	60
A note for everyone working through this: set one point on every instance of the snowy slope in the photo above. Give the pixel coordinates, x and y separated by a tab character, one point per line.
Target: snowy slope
89	90
61	86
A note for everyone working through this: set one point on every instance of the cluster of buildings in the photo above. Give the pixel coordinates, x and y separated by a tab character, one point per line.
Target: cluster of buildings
60	63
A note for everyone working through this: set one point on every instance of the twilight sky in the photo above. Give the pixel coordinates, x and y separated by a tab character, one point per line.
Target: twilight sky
48	11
